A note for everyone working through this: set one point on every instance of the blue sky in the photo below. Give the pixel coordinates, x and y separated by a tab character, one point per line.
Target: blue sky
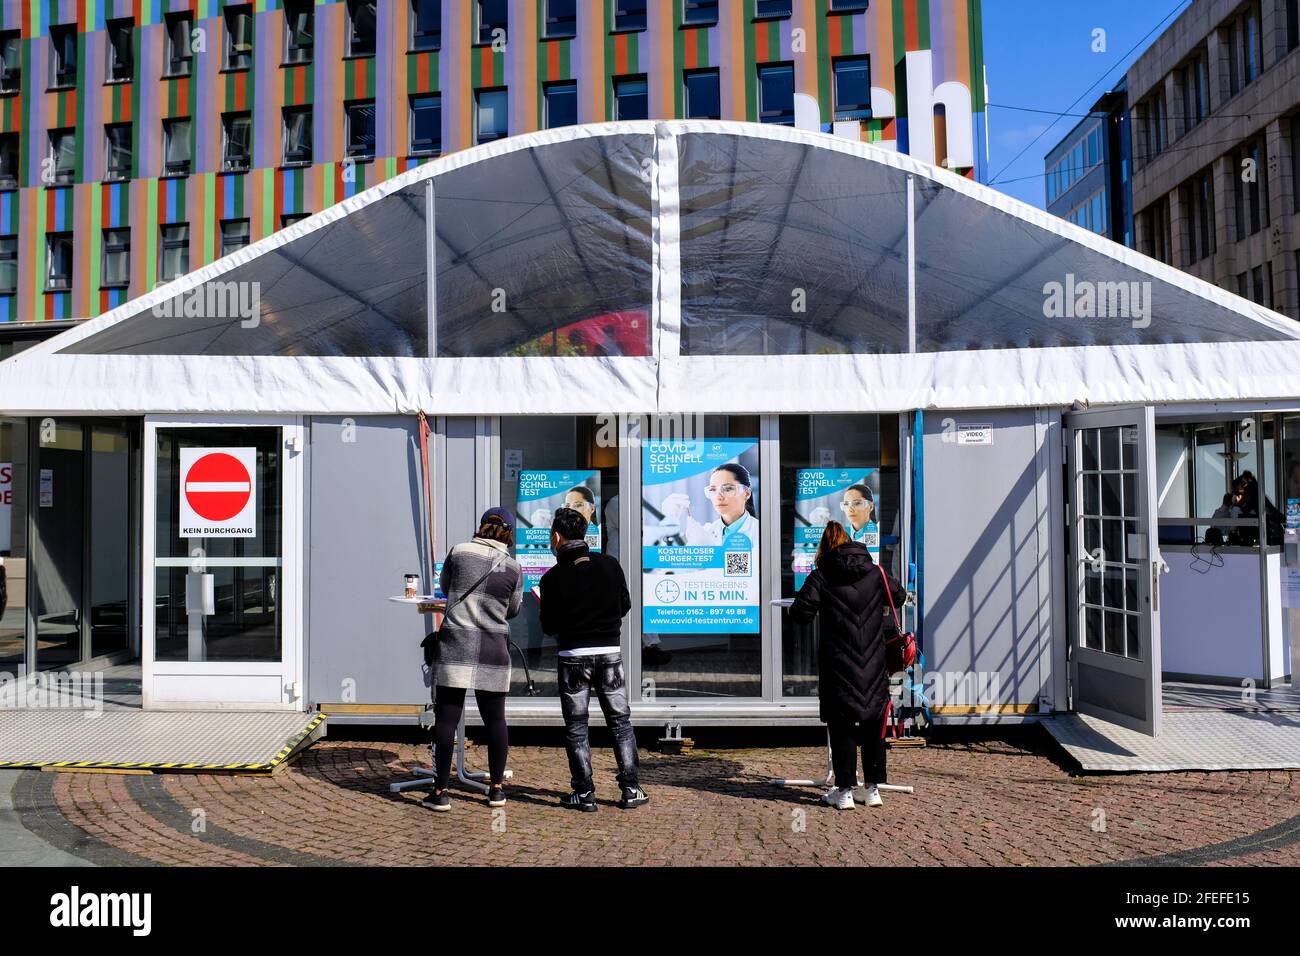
1039	55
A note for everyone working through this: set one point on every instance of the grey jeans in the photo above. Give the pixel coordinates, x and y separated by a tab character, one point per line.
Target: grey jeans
578	677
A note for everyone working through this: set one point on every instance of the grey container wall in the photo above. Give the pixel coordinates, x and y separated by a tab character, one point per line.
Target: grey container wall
991	577
365	532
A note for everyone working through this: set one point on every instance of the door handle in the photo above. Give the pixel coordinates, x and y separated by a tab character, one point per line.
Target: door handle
1155	586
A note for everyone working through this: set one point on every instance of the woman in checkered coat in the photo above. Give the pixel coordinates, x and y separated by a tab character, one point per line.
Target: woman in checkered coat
484	587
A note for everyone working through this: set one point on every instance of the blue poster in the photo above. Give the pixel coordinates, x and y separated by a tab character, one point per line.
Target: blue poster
540	495
847	495
699	555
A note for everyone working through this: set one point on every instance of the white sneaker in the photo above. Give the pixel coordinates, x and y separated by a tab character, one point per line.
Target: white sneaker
840	799
871	796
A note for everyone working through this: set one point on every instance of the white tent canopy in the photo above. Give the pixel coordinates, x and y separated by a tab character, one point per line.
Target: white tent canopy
683	266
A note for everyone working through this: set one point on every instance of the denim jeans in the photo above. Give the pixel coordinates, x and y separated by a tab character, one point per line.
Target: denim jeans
578	677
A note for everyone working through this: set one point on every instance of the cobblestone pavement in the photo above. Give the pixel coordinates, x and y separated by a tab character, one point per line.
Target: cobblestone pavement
1006	801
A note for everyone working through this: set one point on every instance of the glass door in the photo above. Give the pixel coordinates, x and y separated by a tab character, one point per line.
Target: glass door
223	565
1114	567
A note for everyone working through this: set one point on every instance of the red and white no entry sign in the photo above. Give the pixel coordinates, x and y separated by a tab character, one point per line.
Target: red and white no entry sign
218	486
218	494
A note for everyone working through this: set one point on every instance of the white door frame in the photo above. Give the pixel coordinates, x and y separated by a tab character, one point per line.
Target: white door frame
219	685
1123	690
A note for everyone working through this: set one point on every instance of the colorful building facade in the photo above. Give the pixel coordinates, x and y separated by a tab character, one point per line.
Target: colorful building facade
116	169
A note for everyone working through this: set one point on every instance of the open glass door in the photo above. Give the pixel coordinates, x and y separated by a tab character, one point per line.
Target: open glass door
223	549
1114	561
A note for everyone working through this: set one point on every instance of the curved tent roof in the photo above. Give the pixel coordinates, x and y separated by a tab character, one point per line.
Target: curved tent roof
675	266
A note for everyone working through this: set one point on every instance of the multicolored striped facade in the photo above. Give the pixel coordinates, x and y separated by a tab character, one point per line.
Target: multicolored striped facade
810	38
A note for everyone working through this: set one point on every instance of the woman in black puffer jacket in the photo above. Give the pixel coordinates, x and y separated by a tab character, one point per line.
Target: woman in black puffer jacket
847	591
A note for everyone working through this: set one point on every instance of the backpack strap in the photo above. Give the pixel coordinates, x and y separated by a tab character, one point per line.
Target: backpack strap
885	577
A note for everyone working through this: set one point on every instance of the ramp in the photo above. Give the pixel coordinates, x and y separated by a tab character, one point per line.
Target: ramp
163	742
1189	740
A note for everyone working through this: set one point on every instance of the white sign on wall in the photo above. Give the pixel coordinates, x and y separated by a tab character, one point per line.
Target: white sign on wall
218	493
975	434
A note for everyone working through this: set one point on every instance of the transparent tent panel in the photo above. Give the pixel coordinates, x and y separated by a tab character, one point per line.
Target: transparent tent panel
356	286
547	251
987	279
785	248
790	249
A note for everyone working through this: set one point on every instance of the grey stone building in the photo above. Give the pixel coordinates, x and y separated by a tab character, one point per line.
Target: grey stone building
1216	148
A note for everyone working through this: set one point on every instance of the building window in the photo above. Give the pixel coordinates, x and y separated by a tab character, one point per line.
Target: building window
703	94
8	265
561	19
359	128
176	147
491	115
63	56
1198	201
1292	24
699	12
776	93
1201	87
561	101
848	6
118	153
1158	240
426	124
120	35
58	261
236	141
239	38
297	134
179	55
1295	163
11	61
852	88
298	30
1251	198
1297	272
765	9
631	98
8	160
288	219
629	15
63	153
115	265
361	27
491	16
1251	55
426	24
234	235
173	251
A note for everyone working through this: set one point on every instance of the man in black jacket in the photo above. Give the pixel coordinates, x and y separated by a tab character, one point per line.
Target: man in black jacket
584	599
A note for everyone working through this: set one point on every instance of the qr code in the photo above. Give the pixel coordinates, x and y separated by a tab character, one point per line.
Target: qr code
736	563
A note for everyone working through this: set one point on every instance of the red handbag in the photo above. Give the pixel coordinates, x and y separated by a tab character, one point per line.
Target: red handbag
900	650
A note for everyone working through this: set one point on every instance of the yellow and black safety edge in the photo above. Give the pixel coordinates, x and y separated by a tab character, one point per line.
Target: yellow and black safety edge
266	767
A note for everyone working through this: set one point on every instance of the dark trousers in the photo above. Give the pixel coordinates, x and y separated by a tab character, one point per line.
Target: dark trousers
845	740
578	677
448	705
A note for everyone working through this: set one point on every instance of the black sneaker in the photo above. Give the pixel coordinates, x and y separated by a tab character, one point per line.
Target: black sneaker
438	802
632	798
497	796
586	802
